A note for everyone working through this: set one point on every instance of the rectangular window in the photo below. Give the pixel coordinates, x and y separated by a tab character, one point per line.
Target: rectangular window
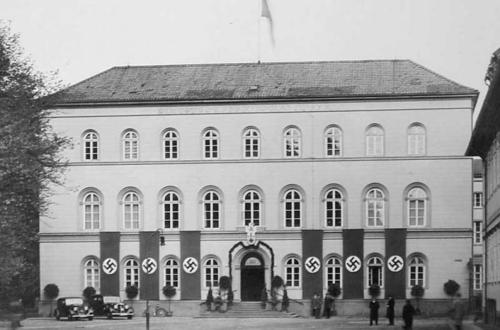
478	277
478	199
478	232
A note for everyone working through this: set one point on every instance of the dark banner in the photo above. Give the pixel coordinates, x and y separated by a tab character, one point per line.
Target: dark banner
312	260
190	263
352	286
110	261
149	251
395	256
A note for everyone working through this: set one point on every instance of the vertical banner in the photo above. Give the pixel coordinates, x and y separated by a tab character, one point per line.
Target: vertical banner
110	261
395	258
312	263
149	252
352	241
190	263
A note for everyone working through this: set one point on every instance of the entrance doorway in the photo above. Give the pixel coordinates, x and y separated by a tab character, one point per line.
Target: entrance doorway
252	276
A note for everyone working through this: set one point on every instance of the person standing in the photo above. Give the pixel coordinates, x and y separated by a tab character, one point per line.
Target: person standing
458	312
316	305
327	305
285	301
408	312
390	310
374	306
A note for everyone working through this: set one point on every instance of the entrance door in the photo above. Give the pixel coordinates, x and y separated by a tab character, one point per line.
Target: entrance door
252	277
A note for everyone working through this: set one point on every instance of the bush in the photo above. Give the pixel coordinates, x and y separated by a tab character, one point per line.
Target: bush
277	282
169	291
451	288
334	290
224	283
51	291
374	291
132	291
88	292
417	291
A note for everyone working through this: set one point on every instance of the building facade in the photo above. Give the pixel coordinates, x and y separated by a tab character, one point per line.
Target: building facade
485	142
319	172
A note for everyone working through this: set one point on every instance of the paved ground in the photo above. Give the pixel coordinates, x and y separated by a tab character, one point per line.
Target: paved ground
189	323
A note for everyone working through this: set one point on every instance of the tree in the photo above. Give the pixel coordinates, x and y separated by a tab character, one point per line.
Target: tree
417	291
51	291
30	163
169	291
451	288
88	292
132	291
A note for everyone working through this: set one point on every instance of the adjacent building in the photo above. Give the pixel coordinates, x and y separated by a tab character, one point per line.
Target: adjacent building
349	172
485	142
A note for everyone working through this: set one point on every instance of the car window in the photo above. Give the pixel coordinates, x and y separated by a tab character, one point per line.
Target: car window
74	301
111	300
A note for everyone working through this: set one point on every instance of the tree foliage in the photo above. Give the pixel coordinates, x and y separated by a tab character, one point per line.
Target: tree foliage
88	292
29	163
132	291
451	287
374	291
334	290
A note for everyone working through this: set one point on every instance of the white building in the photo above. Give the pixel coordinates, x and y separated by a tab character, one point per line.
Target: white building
352	172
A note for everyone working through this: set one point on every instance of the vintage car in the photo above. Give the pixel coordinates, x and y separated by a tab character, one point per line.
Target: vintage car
73	309
110	306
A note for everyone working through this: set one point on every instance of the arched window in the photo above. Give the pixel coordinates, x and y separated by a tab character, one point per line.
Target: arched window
416	271
334	271
131	210
130	143
375	208
292	273
91	274
131	272
416	207
251	143
292	208
172	273
170	145
292	142
252	208
90	146
171	206
211	144
375	272
416	140
375	141
333	141
211	210
211	270
334	208
91	211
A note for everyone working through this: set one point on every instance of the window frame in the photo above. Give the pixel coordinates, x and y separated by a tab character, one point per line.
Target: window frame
333	270
375	141
369	202
417	271
218	211
252	202
94	272
419	213
211	144
130	204
417	140
371	265
334	133
133	271
477	277
251	143
90	146
173	144
130	140
211	273
175	215
292	136
292	270
477	199
171	269
95	203
477	232
334	200
293	203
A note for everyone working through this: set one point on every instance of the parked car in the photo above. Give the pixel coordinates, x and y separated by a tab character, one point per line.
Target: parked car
110	306
73	309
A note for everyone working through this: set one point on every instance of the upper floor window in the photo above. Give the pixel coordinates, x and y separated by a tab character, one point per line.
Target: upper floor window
211	144
416	140
211	210
478	277
212	272
375	207
375	272
334	271
333	141
130	143
292	140
90	146
131	210
91	274
171	206
251	143
334	208
416	271
478	199
292	273
170	145
91	211
478	232
416	207
375	141
252	208
172	273
131	272
293	208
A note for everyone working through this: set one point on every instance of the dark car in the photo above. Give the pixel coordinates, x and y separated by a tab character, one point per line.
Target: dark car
73	309
110	306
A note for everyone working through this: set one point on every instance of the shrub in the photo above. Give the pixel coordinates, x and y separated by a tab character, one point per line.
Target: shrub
451	288
51	291
417	291
88	292
169	291
277	282
132	291
224	283
334	290
374	291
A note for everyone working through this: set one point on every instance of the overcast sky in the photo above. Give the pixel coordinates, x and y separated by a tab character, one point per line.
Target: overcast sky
80	38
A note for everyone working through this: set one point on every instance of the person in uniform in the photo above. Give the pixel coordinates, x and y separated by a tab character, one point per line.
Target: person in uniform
408	312
390	310
374	306
316	305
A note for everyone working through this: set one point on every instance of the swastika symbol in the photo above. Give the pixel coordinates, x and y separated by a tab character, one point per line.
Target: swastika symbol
312	264
395	263
149	265
190	265
109	266
353	264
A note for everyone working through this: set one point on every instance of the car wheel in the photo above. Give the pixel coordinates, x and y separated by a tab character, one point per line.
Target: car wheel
109	315
129	317
56	314
70	317
91	318
161	312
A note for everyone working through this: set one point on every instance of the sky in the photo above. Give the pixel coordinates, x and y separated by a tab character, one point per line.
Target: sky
80	38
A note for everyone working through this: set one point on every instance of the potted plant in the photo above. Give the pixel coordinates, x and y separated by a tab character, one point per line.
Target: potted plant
334	291
51	291
263	297
374	291
276	284
88	292
210	299
169	291
451	288
132	291
224	288
417	291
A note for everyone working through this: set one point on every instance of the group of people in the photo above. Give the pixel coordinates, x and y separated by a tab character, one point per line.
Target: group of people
316	305
407	314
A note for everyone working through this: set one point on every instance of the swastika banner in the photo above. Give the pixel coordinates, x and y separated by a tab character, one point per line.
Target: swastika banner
352	275
190	258
149	250
395	253
110	263
312	252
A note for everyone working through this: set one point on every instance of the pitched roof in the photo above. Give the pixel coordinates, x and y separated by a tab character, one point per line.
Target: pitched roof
260	81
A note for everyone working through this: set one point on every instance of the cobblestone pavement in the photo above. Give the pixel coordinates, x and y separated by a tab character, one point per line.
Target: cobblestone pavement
189	323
